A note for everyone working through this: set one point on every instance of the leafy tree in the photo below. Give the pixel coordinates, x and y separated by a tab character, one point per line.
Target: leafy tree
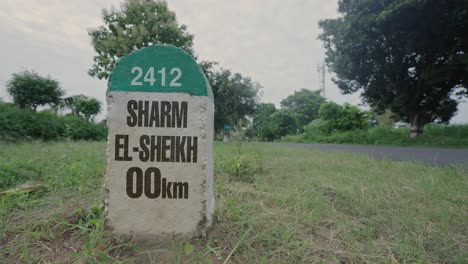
83	106
330	111
263	126
138	24
30	90
341	118
305	103
235	96
278	123
286	123
408	56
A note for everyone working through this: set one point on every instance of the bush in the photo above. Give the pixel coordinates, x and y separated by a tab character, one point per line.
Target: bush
17	124
342	118
78	128
434	135
317	127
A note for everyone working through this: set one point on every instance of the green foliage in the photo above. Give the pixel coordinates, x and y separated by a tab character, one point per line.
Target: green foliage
384	118
341	118
139	23
244	166
408	56
263	126
317	127
86	107
243	163
284	122
270	124
235	96
434	135
17	124
298	110
305	103
82	129
30	90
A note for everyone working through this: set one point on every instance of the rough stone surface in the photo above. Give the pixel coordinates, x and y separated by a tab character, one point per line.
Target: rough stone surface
159	183
160	219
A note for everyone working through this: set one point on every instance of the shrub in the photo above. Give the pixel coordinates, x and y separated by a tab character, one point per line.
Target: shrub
342	118
317	127
16	124
434	135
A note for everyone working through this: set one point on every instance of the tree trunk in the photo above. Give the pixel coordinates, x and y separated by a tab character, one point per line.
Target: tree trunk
417	126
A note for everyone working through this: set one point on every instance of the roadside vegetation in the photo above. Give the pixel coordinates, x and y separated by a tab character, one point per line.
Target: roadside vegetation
344	124
291	206
433	136
22	120
18	124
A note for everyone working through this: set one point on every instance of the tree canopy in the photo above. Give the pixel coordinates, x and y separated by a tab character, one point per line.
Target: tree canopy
263	126
84	106
138	24
284	122
235	96
305	103
408	56
30	90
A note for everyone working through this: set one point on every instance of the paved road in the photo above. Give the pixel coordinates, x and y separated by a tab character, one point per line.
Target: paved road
433	156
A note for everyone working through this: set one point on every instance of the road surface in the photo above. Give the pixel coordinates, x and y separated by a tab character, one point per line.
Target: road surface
433	156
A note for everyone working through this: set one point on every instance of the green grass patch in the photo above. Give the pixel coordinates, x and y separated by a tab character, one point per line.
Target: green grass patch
303	206
434	136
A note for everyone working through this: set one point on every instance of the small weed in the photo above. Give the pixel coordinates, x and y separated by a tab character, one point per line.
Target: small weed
245	163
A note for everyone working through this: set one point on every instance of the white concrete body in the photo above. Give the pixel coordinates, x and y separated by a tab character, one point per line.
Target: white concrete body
158	220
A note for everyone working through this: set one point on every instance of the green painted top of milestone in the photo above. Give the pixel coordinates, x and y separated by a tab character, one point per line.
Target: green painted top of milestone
159	69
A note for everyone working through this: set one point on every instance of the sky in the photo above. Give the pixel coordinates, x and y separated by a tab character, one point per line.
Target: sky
274	42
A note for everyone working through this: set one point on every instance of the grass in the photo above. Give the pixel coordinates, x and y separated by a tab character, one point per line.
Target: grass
303	206
433	136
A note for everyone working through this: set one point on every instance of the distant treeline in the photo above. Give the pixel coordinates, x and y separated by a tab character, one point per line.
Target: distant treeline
20	124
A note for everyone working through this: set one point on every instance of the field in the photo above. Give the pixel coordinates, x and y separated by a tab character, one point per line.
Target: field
274	205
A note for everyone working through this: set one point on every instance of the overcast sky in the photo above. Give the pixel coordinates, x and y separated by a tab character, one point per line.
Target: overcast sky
274	42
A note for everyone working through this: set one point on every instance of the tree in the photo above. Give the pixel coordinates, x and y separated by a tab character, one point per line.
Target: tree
285	123
30	90
138	24
263	126
341	118
408	56
305	103
270	124
235	96
83	106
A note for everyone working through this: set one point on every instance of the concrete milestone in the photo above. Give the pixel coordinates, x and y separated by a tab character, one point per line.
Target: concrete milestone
159	178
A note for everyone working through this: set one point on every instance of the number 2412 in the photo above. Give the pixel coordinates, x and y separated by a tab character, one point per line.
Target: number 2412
149	76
